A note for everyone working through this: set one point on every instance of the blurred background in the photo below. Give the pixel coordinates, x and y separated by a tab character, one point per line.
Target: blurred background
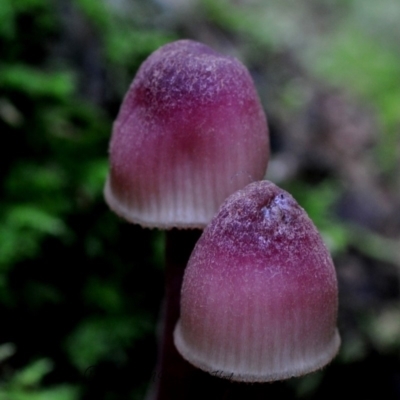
80	289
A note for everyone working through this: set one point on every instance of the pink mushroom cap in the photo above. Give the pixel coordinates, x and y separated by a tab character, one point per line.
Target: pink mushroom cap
190	131
259	297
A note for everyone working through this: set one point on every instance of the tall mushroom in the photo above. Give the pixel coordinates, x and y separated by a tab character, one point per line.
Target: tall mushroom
190	131
259	295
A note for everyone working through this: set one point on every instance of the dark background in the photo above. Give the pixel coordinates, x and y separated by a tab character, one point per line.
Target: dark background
80	289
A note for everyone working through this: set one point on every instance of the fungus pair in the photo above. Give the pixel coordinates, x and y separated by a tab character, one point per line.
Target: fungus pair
259	295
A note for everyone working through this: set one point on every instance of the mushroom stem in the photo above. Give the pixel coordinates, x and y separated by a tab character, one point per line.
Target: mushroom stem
174	375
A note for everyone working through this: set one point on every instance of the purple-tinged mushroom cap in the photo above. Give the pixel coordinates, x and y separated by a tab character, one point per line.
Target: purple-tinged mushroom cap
190	131
259	296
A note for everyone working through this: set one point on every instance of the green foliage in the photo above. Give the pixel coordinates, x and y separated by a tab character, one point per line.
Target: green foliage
252	23
370	71
25	384
7	26
125	42
104	339
119	45
10	11
63	275
58	393
22	231
36	83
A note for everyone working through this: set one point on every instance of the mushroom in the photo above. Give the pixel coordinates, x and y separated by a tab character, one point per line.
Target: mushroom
259	295
190	131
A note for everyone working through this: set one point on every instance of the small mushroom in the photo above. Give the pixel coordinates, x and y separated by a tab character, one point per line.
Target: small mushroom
259	296
190	131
